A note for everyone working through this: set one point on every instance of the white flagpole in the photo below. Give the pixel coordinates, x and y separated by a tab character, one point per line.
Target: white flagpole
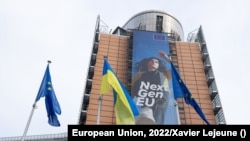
176	105
177	113
99	109
28	123
99	105
31	114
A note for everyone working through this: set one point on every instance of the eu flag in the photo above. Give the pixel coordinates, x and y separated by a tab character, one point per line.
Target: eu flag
52	106
181	91
125	109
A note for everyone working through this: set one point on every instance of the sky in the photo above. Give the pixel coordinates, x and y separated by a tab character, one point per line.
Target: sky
33	32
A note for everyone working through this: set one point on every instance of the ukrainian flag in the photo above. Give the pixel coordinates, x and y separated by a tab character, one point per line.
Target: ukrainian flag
125	108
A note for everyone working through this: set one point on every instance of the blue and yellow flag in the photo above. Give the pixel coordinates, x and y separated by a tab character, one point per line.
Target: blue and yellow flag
125	109
52	106
181	91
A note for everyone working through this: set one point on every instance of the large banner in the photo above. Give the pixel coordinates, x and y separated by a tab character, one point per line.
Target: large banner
151	79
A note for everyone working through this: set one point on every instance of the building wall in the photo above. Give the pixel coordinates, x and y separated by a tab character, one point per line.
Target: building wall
115	48
188	58
185	55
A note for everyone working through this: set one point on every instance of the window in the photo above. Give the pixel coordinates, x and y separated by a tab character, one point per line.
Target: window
159	21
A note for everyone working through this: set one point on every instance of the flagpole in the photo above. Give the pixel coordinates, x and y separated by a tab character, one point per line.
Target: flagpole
100	104
28	123
177	113
99	110
176	105
30	117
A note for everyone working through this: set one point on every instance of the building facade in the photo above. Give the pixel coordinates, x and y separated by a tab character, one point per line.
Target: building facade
190	57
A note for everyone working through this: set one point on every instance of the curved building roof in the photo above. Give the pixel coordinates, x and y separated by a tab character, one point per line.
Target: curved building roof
155	20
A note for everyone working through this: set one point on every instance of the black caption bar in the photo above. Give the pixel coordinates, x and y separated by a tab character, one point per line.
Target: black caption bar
239	132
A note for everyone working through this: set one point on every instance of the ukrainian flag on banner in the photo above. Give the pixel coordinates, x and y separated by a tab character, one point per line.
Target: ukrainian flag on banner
125	109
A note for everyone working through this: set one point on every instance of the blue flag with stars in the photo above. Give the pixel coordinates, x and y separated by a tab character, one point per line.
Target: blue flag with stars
181	91
52	105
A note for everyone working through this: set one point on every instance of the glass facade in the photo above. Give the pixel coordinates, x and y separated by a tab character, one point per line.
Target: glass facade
158	21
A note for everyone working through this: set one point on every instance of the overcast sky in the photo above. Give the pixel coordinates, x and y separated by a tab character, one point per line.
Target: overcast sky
34	31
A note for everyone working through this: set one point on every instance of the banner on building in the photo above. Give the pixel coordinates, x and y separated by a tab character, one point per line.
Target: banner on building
151	79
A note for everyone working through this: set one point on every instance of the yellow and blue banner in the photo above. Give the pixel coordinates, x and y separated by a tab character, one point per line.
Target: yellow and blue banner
125	109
